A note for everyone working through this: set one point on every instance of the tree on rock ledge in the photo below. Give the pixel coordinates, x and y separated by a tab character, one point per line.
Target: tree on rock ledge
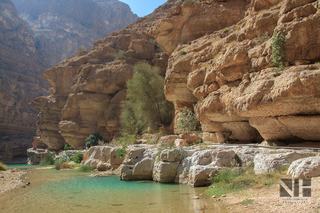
145	105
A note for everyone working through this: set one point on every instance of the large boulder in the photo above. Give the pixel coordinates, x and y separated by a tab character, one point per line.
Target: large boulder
103	158
165	172
305	167
139	162
264	163
199	168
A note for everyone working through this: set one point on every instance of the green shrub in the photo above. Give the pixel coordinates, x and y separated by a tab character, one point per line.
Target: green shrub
2	167
119	54
62	158
48	160
189	2
92	140
67	147
127	139
57	165
225	30
187	121
81	49
85	168
78	157
182	52
278	54
122	152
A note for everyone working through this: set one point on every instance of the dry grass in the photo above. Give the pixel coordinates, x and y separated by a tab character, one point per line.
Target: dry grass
65	165
238	179
2	167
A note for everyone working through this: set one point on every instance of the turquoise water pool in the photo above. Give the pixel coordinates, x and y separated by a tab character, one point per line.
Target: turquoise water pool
71	191
9	166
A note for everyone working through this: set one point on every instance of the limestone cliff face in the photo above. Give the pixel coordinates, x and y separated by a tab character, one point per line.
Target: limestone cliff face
61	27
88	87
20	81
220	60
228	73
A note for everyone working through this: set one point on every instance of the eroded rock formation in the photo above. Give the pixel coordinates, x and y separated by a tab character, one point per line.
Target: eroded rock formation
220	63
228	74
88	87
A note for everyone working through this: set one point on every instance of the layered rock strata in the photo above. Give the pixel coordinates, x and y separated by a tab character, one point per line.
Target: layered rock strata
89	87
228	74
222	64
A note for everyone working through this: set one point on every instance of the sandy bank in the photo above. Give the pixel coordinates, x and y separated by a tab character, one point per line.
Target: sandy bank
268	200
13	178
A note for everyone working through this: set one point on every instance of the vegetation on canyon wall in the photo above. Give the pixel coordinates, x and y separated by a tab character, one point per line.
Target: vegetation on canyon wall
145	106
93	140
278	55
187	121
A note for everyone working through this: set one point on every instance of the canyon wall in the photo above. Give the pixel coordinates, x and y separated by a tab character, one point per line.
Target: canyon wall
52	31
229	75
20	82
220	61
62	27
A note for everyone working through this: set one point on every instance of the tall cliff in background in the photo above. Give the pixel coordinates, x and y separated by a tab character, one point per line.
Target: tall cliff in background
20	82
61	27
57	29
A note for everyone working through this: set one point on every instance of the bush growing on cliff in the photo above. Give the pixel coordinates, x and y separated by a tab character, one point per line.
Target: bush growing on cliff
93	140
145	105
81	49
187	121
278	55
67	147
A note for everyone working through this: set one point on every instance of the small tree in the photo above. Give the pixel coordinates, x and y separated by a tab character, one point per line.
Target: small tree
145	105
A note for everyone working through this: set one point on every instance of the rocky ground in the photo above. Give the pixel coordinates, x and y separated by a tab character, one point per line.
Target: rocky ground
13	178
268	200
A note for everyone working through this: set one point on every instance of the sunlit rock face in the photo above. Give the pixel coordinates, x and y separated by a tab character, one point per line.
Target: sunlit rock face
88	88
228	74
